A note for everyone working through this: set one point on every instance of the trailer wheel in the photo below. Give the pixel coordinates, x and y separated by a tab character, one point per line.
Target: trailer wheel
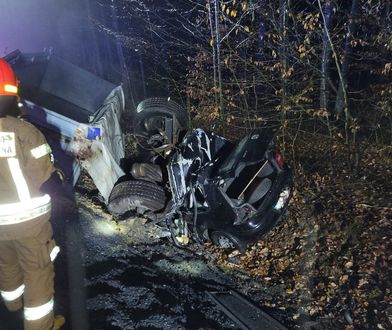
136	195
151	114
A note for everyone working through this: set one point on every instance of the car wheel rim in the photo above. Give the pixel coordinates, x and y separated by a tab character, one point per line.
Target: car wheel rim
154	123
225	242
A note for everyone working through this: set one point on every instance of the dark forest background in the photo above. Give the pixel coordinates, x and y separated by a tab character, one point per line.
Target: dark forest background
319	72
323	66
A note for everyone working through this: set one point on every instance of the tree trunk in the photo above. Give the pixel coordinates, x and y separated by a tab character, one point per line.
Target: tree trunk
219	66
211	21
326	54
258	87
283	50
341	98
283	58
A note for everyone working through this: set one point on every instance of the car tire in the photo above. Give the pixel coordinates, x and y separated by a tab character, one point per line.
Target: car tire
159	107
136	195
225	240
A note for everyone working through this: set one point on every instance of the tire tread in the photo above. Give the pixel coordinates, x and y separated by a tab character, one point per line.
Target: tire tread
128	195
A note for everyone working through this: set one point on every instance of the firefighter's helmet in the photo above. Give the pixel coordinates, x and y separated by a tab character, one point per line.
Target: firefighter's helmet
8	80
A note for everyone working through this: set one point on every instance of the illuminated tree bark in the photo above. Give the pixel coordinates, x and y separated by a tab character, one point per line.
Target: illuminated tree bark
341	98
326	54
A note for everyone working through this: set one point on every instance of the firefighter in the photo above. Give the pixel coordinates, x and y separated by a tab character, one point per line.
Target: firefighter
27	249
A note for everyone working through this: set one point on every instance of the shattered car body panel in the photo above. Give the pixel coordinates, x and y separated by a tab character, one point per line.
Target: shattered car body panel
79	114
219	191
238	190
100	154
198	149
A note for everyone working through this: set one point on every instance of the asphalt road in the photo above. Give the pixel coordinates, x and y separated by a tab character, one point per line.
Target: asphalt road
133	284
121	277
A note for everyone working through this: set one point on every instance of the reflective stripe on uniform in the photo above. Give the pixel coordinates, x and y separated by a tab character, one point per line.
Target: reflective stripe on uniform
23	211
11	89
54	253
20	181
28	208
42	150
13	295
36	313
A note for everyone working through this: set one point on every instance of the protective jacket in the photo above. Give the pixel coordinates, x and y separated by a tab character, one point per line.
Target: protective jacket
27	248
24	166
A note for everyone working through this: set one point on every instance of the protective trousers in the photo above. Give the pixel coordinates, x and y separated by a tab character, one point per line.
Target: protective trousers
26	269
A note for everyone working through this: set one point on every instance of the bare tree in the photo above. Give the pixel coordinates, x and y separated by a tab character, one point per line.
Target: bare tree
341	98
213	43
326	54
218	58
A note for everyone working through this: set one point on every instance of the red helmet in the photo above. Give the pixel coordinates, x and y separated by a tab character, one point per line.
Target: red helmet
8	81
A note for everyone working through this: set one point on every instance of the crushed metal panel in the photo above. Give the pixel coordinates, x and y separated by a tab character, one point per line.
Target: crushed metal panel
75	85
243	312
59	131
102	168
81	113
108	149
51	120
99	145
100	155
108	118
61	86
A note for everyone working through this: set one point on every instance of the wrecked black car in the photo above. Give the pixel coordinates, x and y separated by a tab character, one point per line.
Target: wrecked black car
206	188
